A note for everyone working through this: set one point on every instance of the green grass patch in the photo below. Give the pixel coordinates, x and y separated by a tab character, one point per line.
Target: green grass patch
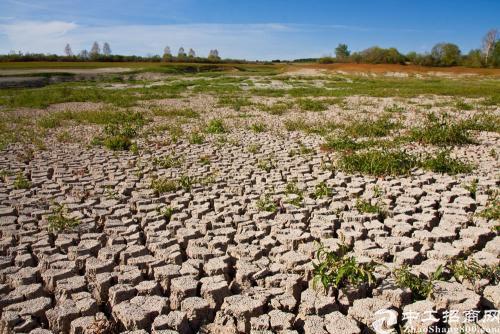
311	105
443	163
216	126
378	163
441	132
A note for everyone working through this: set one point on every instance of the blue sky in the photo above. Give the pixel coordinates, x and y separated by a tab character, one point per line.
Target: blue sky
251	29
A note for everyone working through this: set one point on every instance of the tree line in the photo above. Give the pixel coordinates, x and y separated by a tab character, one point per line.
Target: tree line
105	54
442	54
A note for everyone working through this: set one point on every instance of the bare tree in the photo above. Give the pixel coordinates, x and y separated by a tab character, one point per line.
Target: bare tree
191	53
106	49
489	41
213	54
181	52
84	54
67	51
95	50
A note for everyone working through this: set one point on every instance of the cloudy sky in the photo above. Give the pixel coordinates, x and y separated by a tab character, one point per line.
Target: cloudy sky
256	29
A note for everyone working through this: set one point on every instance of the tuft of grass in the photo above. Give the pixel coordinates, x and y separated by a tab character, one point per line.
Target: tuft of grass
379	127
234	102
168	161
365	206
492	210
265	203
278	108
394	109
420	287
292	189
253	148
378	163
445	164
205	160
340	270
311	105
342	143
181	112
472	188
215	126
441	132
196	138
258	127
483	122
59	220
322	190
117	143
163	185
266	165
64	137
21	182
166	212
461	105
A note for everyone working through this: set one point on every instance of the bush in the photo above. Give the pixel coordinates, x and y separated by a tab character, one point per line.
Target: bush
21	182
380	127
311	105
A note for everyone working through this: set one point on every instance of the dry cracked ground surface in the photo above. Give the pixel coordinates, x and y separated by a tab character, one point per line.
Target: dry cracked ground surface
204	211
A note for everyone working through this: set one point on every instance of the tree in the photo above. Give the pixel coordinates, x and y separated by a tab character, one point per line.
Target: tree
95	50
106	49
474	58
191	53
84	54
67	51
213	54
489	41
167	51
495	55
181	53
446	54
342	52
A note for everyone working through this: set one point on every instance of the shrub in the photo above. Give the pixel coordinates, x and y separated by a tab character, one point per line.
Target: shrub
483	122
59	220
443	163
215	126
340	270
441	132
378	163
266	165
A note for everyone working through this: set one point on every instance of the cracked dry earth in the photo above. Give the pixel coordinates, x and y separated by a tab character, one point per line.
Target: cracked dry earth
218	264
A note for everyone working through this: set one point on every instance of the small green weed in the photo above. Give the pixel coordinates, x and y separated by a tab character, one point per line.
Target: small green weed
322	190
340	270
365	206
216	126
196	138
21	182
258	127
59	220
445	164
265	203
420	287
311	105
378	163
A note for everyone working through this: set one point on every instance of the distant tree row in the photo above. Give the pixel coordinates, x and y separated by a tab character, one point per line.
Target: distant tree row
213	55
442	54
95	54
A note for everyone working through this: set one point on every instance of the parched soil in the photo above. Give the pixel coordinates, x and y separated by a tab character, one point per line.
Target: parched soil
228	246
